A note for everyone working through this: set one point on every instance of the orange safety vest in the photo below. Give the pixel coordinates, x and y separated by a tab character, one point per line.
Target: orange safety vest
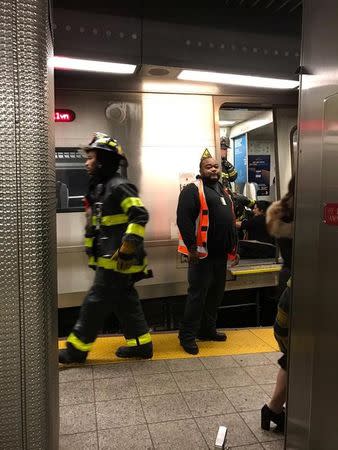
202	225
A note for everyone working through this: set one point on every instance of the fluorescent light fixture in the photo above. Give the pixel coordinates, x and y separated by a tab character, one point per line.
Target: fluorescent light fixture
239	80
177	87
88	65
226	123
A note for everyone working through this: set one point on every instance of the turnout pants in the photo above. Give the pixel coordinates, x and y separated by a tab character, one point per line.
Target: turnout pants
111	292
205	293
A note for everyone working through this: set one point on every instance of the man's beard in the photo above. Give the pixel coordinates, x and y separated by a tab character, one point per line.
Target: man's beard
211	180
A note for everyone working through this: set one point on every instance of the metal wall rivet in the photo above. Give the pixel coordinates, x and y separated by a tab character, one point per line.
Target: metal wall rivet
134	36
255	50
68	28
211	45
244	49
82	30
222	46
108	33
187	42
199	44
121	35
95	31
276	52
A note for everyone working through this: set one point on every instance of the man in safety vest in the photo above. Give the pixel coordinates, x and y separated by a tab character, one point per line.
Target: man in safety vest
116	219
206	222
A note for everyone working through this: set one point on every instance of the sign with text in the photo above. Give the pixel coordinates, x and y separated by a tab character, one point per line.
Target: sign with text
241	155
259	173
64	115
331	214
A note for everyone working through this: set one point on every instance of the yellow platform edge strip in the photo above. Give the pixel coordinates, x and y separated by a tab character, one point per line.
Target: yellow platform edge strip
254	271
166	346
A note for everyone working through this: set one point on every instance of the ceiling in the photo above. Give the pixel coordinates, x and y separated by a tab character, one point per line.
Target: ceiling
263	133
237	115
274	14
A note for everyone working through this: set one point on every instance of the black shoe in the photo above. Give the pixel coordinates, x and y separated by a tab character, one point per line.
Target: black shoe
213	337
71	355
144	351
267	416
190	346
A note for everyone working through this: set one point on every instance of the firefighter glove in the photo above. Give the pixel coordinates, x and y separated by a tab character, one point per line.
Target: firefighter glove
125	256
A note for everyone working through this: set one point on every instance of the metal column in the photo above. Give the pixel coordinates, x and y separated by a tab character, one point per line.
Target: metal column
28	338
313	374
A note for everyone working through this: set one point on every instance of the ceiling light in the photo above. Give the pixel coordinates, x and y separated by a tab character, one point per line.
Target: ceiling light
60	62
239	80
226	123
178	87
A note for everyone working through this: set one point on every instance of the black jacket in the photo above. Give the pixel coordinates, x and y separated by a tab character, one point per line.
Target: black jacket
257	230
221	238
116	201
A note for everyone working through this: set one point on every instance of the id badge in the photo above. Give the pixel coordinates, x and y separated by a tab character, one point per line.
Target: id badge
222	201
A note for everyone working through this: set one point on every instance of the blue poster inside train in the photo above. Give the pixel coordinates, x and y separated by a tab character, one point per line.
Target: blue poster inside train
241	155
259	173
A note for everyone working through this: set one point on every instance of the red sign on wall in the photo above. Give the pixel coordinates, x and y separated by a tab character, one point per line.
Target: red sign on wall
331	214
64	115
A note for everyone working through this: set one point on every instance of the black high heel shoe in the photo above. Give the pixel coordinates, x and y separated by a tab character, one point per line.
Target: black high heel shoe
267	416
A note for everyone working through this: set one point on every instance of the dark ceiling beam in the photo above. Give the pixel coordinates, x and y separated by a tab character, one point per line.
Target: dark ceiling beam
269	4
297	5
282	5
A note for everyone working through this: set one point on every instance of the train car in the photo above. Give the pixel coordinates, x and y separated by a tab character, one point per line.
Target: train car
164	115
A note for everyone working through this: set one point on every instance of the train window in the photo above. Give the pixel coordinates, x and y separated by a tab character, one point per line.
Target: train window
249	135
71	179
293	148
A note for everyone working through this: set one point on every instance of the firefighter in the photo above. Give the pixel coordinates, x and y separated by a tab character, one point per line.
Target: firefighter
229	173
116	219
206	222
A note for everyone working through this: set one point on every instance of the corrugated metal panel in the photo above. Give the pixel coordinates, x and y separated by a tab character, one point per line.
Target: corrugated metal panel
28	362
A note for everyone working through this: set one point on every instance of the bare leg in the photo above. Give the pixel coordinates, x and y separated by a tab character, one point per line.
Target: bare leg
279	396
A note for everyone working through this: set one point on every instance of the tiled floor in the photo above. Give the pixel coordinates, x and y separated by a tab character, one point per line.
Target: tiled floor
172	404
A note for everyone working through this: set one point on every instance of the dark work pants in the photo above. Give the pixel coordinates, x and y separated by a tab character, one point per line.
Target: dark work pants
111	292
205	293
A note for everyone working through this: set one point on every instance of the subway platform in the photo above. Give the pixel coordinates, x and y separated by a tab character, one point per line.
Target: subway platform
174	401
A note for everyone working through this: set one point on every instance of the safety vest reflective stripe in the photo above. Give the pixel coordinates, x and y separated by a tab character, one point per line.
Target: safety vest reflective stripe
135	228
91	261
108	221
78	344
181	245
88	242
111	264
128	202
202	225
140	340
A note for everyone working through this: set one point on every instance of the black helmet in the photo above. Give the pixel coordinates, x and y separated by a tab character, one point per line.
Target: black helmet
225	142
102	141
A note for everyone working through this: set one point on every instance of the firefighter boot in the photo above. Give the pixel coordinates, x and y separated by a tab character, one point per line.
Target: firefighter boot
71	355
144	351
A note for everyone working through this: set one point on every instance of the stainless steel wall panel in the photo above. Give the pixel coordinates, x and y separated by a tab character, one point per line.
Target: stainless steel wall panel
28	361
285	120
313	374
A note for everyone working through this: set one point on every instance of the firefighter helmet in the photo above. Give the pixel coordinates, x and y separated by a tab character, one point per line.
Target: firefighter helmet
225	142
102	141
